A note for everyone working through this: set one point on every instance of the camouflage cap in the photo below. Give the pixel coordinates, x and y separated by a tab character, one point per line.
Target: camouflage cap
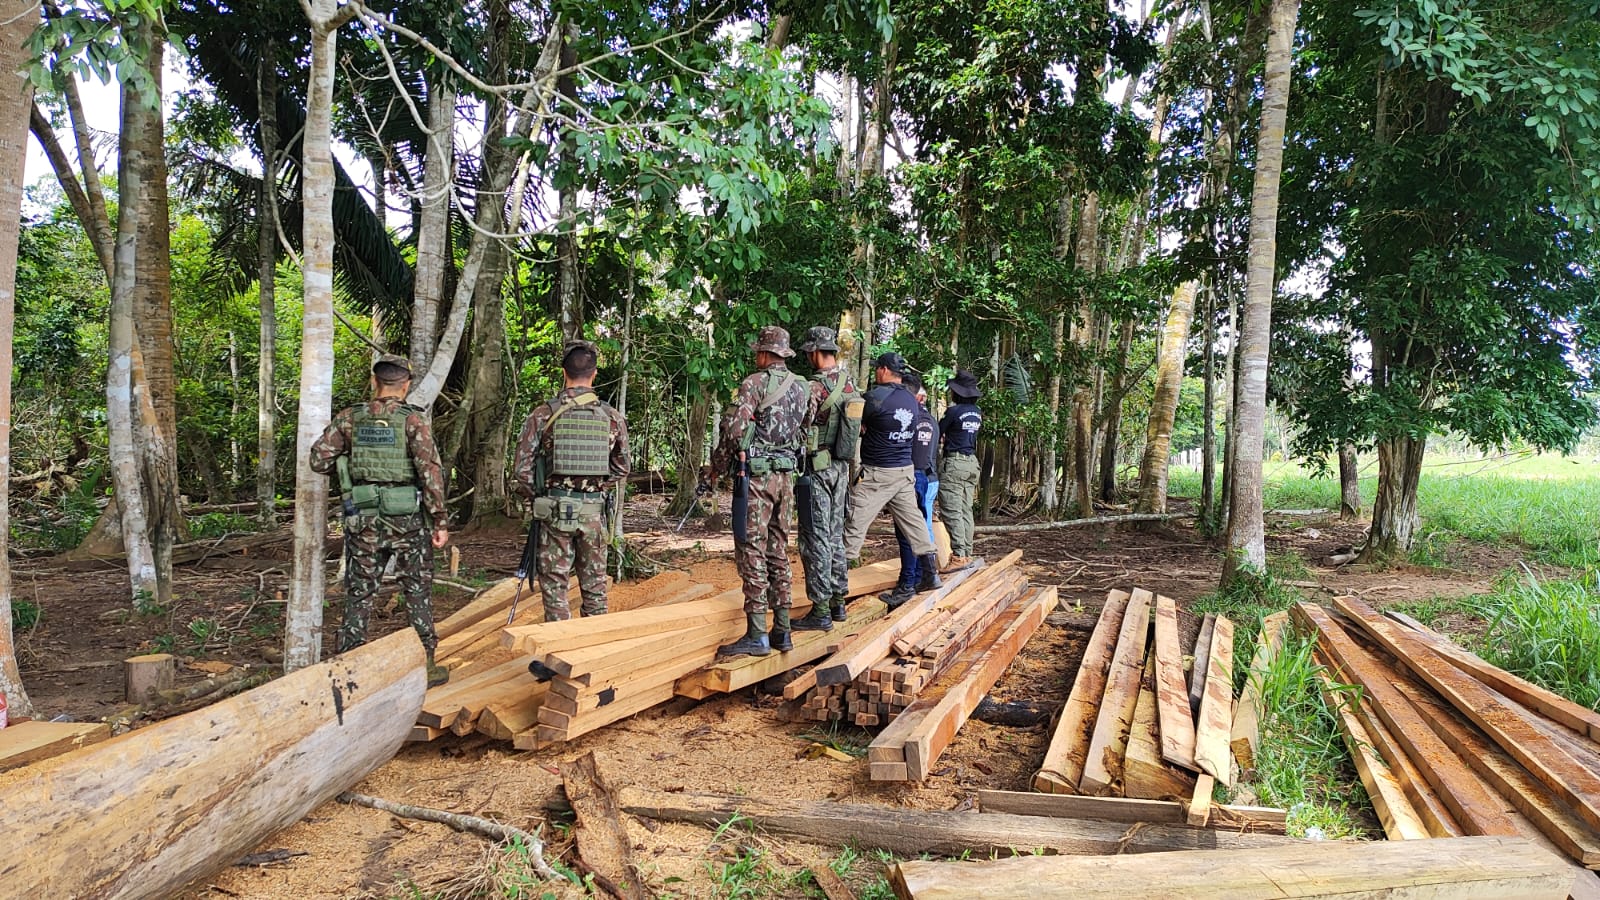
820	337
391	361
773	339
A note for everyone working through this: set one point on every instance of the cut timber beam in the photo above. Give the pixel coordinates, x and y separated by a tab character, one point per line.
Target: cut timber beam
1258	819
1102	768
1508	725
503	719
586	663
442	705
1211	749
1245	736
1198	812
555	637
726	677
1145	775
1399	818
1202	661
1485	868
917	831
491	601
1171	694
1069	745
29	742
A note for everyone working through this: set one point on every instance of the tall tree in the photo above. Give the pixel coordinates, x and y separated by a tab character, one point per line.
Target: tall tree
1247	551
267	225
1164	405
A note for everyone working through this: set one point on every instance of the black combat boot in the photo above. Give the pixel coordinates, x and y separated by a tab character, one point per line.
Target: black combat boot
815	620
838	609
779	638
754	642
928	566
901	593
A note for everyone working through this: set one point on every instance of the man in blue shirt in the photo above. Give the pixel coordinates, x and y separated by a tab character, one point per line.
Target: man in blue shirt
958	470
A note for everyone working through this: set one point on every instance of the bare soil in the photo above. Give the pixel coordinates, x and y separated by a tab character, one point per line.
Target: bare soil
71	663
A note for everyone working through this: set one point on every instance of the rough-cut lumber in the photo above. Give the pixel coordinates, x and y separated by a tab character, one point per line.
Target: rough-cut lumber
1472	806
1211	750
1510	780
424	733
1245	736
492	601
640	652
939	728
145	813
1509	726
1069	745
1202	661
1399	818
145	675
1103	764
1145	774
1553	706
504	719
1171	693
555	637
1485	868
1074	523
443	704
917	831
544	735
722	678
1260	819
601	836
1198	812
29	742
530	610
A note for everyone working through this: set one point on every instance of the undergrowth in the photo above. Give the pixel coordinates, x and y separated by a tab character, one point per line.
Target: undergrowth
1548	632
1249	600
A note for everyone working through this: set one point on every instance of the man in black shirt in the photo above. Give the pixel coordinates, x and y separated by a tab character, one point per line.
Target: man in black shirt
958	471
888	477
924	451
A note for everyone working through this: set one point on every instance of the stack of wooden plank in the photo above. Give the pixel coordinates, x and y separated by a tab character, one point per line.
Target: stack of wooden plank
1449	745
1136	726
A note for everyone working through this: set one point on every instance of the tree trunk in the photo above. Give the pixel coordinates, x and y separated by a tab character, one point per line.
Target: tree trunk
1083	336
1058	344
1164	406
1247	552
694	452
267	285
484	409
434	224
569	287
303	630
1394	506
1349	484
1230	383
1112	414
16	98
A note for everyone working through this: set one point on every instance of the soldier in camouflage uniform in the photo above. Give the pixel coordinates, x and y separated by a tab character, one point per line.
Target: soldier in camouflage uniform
822	544
765	434
385	457
572	451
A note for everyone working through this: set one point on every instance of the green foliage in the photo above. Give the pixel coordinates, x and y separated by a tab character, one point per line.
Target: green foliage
1249	600
1549	633
25	614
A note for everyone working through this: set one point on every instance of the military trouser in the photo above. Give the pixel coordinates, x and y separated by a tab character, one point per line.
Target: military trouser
370	540
879	487
763	558
577	547
958	485
822	546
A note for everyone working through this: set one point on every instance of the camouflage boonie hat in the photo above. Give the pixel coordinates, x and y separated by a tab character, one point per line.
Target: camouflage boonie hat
569	346
392	360
772	339
820	337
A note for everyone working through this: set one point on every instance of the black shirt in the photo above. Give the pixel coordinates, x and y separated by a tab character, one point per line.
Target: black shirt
959	427
889	424
925	442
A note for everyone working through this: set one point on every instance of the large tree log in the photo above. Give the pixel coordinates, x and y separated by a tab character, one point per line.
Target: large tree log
143	814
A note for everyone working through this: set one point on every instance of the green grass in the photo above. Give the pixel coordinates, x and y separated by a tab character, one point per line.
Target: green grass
1246	603
24	614
1548	632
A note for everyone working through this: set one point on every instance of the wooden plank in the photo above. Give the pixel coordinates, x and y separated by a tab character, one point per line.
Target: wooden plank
1202	662
1485	868
543	736
1245	736
1145	774
726	677
640	652
1069	745
1399	818
492	600
1103	762
989	660
553	637
1507	725
600	834
1198	813
1553	706
443	704
148	812
1172	695
1211	751
941	544
917	831
888	771
1473	808
503	719
31	741
530	609
1261	819
422	733
1511	781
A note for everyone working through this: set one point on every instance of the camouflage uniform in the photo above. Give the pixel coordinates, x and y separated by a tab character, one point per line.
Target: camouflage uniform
822	545
581	541
777	440
371	537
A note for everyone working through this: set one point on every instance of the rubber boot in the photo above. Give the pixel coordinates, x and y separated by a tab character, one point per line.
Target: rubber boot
928	566
815	620
437	675
897	597
754	642
779	638
838	609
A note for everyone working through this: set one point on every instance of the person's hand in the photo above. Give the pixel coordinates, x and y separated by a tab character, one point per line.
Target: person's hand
441	536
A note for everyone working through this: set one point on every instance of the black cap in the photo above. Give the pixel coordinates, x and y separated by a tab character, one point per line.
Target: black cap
892	361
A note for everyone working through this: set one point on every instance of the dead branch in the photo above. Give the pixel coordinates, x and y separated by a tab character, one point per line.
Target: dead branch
482	827
1072	523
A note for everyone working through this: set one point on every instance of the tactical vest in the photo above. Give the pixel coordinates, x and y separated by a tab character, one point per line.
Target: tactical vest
832	407
379	454
776	388
580	438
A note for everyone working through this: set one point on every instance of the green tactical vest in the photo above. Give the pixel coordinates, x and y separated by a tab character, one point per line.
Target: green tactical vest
777	386
580	438
379	454
827	434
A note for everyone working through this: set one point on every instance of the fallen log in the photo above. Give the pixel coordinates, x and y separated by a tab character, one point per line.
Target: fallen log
1073	523
143	814
1259	819
601	836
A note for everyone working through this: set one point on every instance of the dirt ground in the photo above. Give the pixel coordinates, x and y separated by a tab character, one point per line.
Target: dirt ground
735	744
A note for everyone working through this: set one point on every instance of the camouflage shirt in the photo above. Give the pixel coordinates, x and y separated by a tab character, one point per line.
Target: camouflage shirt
536	442
782	424
336	441
817	414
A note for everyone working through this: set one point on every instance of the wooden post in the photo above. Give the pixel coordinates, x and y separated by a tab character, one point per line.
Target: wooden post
145	674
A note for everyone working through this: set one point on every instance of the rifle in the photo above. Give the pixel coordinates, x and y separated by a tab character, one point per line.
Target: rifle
530	550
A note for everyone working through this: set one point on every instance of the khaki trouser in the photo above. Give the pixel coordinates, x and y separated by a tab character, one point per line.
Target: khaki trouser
958	483
877	488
